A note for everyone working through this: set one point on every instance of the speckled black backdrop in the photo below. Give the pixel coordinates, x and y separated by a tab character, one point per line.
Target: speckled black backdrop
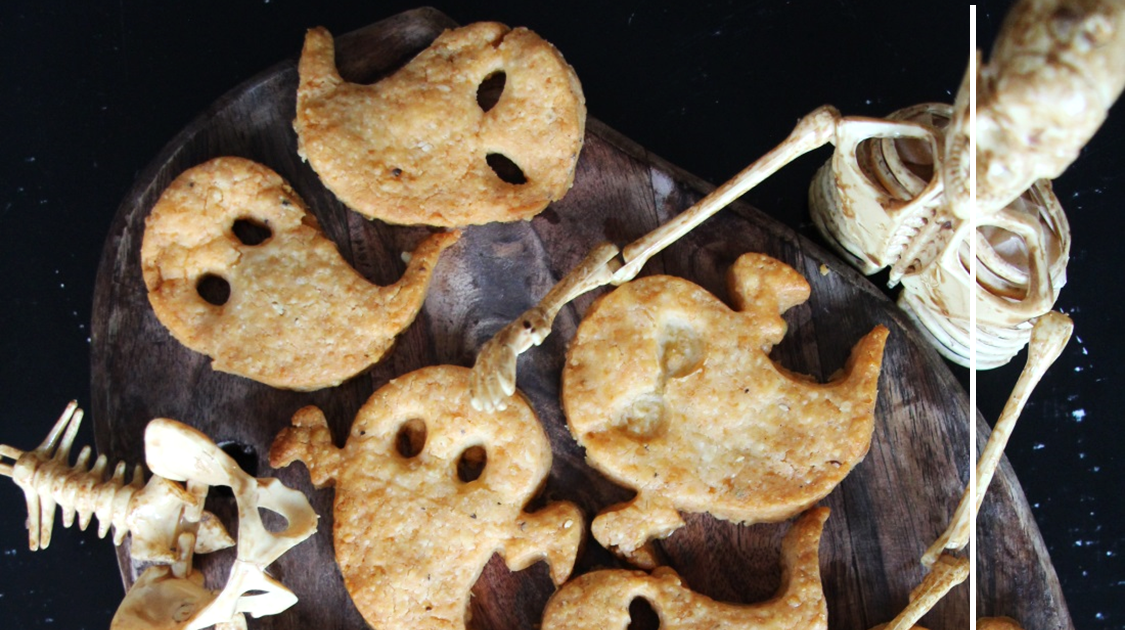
91	91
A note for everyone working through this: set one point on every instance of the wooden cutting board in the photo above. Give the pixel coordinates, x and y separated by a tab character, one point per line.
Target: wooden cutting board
884	514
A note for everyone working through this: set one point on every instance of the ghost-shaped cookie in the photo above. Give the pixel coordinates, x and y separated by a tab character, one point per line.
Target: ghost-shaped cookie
427	490
673	394
484	125
238	270
600	600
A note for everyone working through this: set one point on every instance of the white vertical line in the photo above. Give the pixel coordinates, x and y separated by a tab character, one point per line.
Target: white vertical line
973	547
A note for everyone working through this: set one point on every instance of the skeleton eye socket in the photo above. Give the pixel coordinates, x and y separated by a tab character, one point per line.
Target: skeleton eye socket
411	438
470	466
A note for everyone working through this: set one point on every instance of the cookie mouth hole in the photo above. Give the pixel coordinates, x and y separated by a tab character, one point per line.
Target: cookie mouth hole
411	438
505	169
251	232
490	90
213	289
642	616
470	466
245	455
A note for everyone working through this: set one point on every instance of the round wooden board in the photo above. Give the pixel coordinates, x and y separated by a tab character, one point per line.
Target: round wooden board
884	514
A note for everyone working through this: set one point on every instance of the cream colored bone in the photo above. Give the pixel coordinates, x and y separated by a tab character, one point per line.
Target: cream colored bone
494	372
947	573
180	453
494	376
1048	338
151	512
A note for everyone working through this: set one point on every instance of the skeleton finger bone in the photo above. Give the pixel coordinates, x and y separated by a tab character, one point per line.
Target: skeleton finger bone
493	378
1048	338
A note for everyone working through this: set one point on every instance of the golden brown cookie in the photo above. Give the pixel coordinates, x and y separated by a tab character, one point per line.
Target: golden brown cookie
420	146
427	489
238	270
673	394
601	600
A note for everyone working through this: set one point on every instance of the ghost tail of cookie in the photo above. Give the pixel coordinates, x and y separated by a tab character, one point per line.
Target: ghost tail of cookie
600	600
238	270
496	365
1049	336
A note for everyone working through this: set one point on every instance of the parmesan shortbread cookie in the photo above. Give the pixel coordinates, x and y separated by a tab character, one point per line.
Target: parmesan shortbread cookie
427	489
673	394
238	270
601	600
421	147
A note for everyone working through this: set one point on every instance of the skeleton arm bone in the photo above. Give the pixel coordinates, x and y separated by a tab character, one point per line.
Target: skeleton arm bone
493	379
1050	335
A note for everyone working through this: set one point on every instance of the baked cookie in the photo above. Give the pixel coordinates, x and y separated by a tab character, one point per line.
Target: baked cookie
673	394
431	144
600	600
427	489
238	270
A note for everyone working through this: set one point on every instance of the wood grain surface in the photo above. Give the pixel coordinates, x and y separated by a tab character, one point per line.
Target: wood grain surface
884	514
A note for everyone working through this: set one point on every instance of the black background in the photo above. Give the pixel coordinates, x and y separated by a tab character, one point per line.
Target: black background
91	91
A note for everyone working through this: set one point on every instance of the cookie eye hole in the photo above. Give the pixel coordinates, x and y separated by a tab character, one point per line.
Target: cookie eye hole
411	438
490	90
251	232
506	169
213	289
470	466
642	616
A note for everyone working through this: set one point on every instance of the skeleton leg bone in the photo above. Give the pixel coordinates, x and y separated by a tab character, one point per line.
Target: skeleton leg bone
947	573
493	379
1048	338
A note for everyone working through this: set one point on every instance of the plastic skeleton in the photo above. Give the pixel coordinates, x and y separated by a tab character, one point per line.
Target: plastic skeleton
1056	68
166	521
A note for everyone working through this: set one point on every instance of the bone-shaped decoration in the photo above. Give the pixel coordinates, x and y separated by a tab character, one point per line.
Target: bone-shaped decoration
175	598
1048	339
426	145
295	314
673	394
416	515
945	574
151	513
600	600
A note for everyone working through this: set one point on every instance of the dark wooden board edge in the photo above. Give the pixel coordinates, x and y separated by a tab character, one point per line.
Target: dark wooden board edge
149	186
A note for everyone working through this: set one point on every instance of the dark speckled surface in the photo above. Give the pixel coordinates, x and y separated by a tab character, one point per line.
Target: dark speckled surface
92	91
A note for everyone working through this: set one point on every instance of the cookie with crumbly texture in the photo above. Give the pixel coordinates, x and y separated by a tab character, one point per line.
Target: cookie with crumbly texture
601	599
427	490
420	147
238	270
673	393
